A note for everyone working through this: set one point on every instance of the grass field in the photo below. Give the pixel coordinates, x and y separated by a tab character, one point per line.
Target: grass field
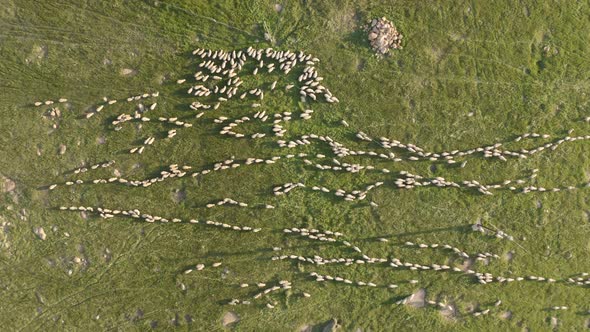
471	73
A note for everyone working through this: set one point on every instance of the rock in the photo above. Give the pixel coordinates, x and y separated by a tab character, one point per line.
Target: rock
478	227
509	256
230	318
372	35
506	315
174	321
7	184
467	264
306	328
554	322
225	273
40	297
40	232
128	72
268	37
471	307
417	300
62	149
449	311
331	326
178	195
278	7
161	79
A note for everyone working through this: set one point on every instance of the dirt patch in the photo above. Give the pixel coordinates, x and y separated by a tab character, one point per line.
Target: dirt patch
343	21
360	64
436	54
456	37
8	10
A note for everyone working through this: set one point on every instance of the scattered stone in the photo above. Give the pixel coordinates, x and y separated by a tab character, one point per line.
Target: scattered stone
40	232
383	36
230	318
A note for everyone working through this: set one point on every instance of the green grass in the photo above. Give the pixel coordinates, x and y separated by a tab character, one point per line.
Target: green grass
483	57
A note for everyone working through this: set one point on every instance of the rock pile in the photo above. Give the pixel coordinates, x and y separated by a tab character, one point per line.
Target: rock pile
383	36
